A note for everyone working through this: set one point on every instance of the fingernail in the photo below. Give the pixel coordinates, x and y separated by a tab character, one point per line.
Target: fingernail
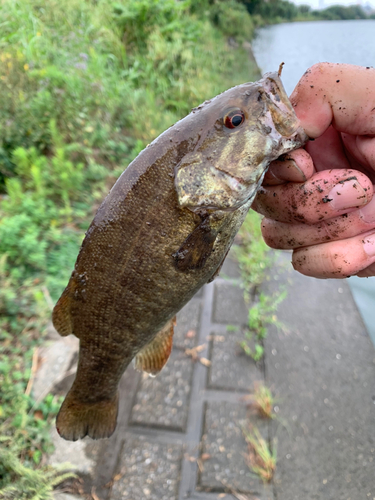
369	244
346	194
288	170
297	171
367	213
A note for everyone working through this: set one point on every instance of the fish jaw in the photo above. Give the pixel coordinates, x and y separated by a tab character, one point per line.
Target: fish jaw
226	170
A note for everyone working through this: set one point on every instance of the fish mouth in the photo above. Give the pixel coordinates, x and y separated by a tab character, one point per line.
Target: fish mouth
283	116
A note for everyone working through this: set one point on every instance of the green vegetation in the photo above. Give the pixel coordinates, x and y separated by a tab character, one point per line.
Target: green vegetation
278	11
84	86
261	457
262	401
252	253
261	315
254	258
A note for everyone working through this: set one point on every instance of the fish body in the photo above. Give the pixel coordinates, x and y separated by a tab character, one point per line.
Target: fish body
162	232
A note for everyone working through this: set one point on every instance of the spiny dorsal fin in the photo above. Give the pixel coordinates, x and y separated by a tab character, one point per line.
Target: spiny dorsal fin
152	358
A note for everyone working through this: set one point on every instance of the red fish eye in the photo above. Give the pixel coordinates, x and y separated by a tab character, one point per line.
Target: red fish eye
234	118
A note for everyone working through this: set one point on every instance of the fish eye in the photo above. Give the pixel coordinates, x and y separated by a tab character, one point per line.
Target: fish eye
234	118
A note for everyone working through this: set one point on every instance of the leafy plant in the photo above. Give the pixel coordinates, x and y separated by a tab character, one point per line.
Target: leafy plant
24	423
28	483
260	316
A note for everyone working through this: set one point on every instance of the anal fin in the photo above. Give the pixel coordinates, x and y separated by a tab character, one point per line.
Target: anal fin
152	358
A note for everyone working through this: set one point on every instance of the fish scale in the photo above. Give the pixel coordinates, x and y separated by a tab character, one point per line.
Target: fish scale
162	233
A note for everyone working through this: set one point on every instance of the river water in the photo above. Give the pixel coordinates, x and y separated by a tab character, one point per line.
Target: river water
300	45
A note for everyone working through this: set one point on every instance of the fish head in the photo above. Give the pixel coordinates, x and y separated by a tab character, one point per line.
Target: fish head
239	133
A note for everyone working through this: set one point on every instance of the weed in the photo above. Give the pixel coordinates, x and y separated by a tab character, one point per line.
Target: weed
262	401
24	425
260	316
261	458
252	253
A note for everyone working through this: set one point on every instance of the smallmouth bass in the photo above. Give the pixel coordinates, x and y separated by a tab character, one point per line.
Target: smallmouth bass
162	232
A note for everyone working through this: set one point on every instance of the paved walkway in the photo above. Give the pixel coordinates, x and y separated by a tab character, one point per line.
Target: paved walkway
179	435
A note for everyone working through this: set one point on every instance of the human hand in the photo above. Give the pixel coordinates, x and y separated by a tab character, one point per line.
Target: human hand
318	201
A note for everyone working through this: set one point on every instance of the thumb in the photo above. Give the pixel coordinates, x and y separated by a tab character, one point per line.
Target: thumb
296	166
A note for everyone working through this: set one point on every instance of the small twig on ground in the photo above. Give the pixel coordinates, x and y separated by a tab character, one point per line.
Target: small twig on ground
34	367
237	494
93	493
48	297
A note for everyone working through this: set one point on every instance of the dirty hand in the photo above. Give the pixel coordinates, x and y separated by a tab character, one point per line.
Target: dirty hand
318	201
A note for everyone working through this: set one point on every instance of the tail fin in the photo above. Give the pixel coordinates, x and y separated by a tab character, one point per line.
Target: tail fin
76	420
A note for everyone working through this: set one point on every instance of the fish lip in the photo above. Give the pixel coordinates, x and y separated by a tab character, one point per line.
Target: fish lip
280	106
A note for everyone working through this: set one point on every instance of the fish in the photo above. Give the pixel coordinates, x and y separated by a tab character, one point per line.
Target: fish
162	232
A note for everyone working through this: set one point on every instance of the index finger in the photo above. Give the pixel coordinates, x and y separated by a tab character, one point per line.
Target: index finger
339	94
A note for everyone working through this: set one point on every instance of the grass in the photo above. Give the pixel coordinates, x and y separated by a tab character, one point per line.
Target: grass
261	458
261	315
252	253
84	86
262	401
254	259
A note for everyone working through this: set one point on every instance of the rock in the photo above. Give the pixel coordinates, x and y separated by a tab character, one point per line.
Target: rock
56	359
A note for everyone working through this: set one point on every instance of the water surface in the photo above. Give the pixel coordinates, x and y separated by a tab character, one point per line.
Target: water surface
300	45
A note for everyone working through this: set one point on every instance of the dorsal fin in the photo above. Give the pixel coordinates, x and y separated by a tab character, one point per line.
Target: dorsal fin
61	318
152	358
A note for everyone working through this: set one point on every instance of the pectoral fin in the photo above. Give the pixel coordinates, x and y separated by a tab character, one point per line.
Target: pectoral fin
152	358
195	250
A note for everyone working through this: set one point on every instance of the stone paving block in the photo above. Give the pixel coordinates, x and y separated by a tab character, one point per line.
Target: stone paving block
323	372
65	496
231	368
163	401
229	306
148	471
187	324
80	454
224	442
55	359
